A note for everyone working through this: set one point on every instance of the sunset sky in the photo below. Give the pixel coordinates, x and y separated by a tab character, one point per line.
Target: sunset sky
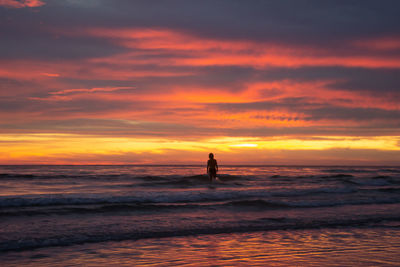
283	82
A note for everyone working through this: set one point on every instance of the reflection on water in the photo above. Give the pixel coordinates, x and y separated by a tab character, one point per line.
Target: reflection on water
327	247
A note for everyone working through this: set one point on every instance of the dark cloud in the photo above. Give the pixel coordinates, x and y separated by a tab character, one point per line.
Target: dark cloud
54	47
226	78
296	103
385	80
356	114
8	86
109	127
375	81
308	22
54	108
378	82
279	19
182	131
313	111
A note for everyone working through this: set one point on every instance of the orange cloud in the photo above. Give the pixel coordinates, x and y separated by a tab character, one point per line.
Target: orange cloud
50	74
172	54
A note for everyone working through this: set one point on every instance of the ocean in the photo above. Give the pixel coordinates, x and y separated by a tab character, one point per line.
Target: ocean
134	215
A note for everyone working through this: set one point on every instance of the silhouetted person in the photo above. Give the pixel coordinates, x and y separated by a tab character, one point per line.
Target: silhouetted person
212	167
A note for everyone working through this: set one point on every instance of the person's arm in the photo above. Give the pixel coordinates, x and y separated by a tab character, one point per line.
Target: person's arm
216	165
208	164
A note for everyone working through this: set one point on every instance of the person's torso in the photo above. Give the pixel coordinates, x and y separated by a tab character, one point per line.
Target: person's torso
212	163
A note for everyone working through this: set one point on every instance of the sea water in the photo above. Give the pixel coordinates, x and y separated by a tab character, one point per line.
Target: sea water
168	215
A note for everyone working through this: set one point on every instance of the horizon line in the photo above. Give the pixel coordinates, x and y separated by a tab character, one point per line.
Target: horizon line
196	165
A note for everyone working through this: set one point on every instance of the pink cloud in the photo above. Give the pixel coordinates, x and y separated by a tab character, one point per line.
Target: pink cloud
202	51
21	4
380	44
181	100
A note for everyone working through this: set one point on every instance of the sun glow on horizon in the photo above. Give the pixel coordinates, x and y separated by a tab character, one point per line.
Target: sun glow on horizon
59	147
244	145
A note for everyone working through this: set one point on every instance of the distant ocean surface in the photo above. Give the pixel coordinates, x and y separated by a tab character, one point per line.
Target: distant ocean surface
47	211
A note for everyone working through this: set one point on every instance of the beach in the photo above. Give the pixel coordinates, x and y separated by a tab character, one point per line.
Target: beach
170	215
313	247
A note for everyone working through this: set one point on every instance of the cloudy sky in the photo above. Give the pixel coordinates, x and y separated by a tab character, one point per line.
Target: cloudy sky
256	82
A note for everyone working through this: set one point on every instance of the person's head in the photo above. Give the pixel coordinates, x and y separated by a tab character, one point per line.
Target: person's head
211	155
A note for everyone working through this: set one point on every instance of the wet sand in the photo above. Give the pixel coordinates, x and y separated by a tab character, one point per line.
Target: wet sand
306	247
